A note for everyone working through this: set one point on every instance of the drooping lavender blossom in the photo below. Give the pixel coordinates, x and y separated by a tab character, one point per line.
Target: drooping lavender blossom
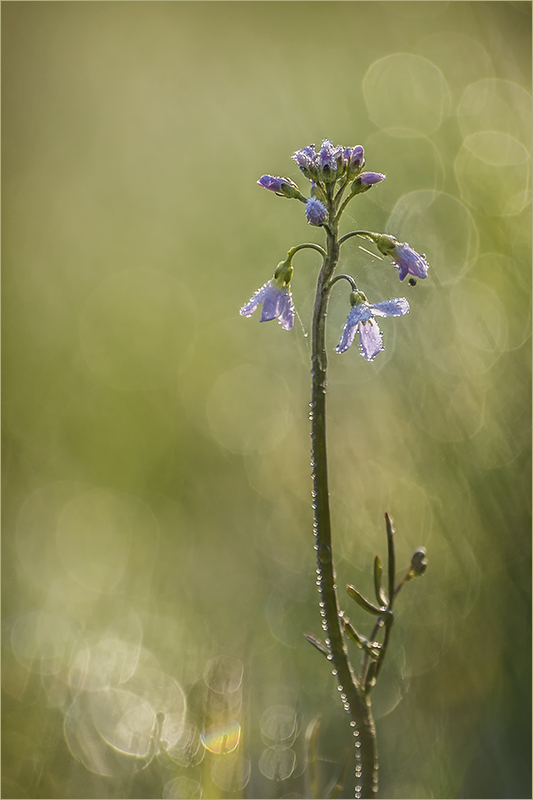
276	298
408	261
360	320
315	211
283	187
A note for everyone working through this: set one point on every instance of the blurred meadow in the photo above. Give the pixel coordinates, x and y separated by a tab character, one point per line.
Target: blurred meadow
158	562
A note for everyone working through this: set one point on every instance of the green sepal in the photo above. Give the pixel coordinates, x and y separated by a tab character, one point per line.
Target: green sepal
364	603
318	644
284	271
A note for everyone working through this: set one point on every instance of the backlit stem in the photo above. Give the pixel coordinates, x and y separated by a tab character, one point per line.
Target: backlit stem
355	699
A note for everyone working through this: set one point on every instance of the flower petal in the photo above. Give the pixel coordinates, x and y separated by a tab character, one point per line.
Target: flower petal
347	337
272	303
255	300
286	317
391	308
359	313
409	261
370	336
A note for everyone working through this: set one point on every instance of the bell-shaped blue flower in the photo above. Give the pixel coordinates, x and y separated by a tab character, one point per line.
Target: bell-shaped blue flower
408	261
361	320
275	297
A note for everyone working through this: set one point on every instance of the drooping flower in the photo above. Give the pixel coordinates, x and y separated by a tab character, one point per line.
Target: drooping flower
283	187
361	320
315	211
276	298
408	261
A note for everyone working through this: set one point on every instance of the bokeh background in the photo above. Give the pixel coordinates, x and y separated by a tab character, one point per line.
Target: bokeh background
158	562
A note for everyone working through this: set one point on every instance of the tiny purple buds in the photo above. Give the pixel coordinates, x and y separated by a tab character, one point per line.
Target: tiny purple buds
275	297
306	158
329	160
366	180
327	165
283	187
354	159
404	257
360	320
315	211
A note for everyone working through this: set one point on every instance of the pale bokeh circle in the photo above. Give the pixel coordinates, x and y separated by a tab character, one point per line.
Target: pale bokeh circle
462	58
138	329
93	535
493	171
44	642
494	104
410	164
406	92
249	409
465	330
76	543
183	788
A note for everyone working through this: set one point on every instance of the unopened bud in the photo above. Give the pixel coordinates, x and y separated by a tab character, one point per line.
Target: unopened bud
418	562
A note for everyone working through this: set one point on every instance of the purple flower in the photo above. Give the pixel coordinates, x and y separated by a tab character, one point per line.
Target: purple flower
315	211
283	187
326	165
366	180
354	159
277	304
306	160
408	261
275	297
360	320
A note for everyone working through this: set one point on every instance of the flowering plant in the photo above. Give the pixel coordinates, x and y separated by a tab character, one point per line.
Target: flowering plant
336	175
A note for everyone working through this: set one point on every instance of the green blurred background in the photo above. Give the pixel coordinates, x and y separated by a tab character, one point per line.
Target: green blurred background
157	532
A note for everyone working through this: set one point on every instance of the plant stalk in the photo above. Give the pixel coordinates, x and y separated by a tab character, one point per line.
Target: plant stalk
354	696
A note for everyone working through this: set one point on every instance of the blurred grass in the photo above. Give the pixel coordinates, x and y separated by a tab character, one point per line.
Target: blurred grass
156	451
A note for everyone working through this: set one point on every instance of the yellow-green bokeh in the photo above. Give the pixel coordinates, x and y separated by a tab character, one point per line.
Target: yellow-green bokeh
157	533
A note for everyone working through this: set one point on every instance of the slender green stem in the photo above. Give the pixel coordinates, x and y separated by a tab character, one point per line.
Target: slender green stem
354	697
310	246
367	234
343	277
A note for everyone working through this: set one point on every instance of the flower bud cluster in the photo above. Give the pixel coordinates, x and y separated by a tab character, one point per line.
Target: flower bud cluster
325	167
331	162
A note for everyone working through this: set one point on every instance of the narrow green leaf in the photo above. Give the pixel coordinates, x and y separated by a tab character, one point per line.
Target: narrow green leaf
372	648
391	555
378	571
365	604
336	784
311	741
317	643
